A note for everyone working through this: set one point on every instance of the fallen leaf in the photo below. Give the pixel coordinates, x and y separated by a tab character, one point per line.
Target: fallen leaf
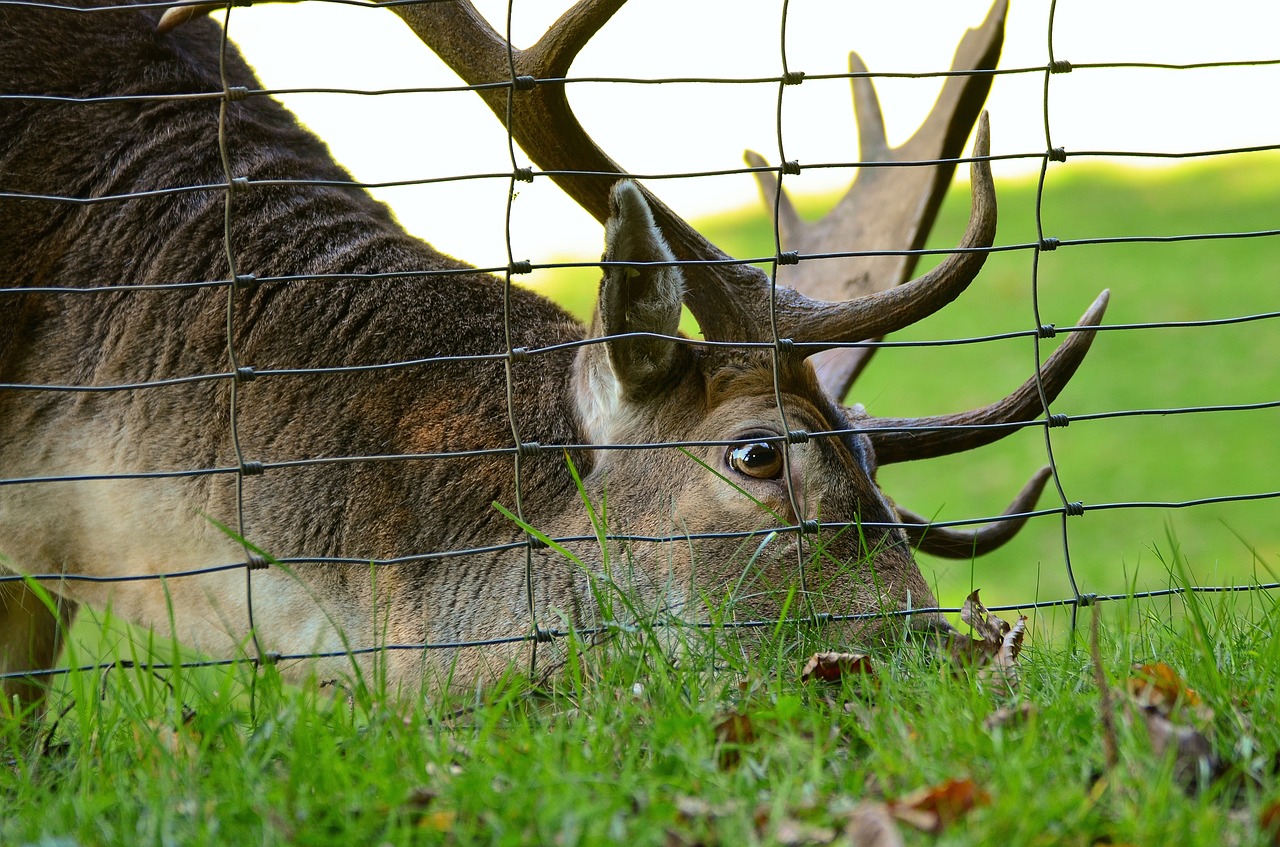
871	824
1194	763
1158	686
732	732
441	820
790	832
989	628
831	667
995	651
934	808
1269	821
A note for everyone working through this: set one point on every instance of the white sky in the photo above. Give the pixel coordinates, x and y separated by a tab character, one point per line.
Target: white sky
652	129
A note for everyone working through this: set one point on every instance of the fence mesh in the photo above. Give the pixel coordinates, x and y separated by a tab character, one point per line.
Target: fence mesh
1054	159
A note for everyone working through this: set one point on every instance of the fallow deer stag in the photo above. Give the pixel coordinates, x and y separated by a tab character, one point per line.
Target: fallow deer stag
224	343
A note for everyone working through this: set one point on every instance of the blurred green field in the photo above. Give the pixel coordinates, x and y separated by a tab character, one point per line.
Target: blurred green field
1147	458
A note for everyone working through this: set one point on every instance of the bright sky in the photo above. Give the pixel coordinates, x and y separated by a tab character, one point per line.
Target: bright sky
653	129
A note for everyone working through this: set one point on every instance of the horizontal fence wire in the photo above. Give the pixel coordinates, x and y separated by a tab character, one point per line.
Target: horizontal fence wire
236	374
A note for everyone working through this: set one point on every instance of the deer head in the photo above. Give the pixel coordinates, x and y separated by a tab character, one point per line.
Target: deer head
819	307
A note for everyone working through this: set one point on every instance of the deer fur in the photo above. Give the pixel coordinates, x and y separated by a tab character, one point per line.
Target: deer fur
622	391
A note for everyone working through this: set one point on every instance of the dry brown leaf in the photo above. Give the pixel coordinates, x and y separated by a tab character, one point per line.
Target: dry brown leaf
793	833
996	648
1158	686
733	731
934	808
871	824
1194	763
1269	821
831	667
441	820
989	628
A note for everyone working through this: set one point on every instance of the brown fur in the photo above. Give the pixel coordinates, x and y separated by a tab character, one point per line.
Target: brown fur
626	390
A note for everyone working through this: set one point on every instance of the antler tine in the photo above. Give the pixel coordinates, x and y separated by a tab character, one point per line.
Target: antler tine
543	124
965	544
951	434
885	208
876	314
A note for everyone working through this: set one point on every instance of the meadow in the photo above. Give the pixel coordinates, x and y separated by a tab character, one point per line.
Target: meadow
718	745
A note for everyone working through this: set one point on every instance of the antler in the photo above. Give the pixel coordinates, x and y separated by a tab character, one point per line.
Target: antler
886	208
966	544
729	301
525	89
908	439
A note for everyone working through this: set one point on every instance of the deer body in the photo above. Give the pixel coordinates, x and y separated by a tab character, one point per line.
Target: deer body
420	305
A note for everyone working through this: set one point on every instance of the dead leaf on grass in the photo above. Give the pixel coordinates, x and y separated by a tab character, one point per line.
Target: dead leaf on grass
732	732
1269	821
832	667
1158	686
871	824
995	651
1195	764
934	808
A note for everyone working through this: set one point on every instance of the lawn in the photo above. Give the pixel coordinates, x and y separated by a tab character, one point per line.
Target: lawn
628	746
727	744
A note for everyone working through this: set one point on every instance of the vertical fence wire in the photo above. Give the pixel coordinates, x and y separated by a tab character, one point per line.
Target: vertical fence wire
780	347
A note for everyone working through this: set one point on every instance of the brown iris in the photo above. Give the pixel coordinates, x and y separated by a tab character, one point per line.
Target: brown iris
761	460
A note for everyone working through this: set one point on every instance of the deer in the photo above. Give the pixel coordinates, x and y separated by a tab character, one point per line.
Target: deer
255	415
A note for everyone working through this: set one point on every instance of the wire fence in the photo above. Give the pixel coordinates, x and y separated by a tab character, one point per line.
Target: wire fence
236	374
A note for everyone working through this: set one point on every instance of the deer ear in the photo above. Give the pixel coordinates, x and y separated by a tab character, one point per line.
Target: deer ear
638	298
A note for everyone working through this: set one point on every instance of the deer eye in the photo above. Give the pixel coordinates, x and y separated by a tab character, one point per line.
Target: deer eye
761	460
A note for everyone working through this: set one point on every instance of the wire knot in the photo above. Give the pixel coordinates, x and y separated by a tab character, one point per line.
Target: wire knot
239	183
270	657
809	527
797	436
523	174
522	267
1058	154
1048	245
528	448
257	563
246	282
542	636
252	468
790	257
518	354
1075	509
1084	601
791	167
524	82
1059	420
232	93
785	346
535	543
246	374
1046	331
1059	66
793	78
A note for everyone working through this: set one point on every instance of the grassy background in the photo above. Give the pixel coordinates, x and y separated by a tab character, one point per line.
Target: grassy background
1158	458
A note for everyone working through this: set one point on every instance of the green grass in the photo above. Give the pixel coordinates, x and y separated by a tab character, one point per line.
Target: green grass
1156	458
623	746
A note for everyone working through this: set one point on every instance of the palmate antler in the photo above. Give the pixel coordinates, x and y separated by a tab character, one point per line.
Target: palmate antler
893	209
848	300
820	302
